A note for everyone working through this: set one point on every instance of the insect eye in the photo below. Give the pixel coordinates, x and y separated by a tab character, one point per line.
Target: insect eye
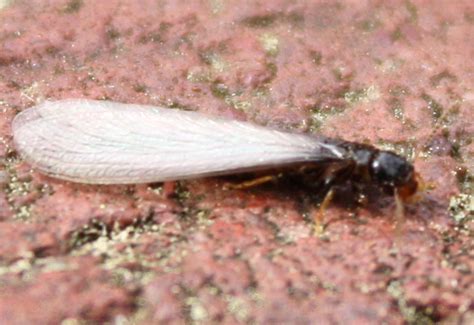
389	168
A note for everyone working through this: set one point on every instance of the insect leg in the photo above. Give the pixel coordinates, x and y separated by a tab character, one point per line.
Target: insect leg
332	176
252	183
319	215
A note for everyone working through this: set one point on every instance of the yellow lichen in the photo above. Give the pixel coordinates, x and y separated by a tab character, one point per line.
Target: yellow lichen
270	43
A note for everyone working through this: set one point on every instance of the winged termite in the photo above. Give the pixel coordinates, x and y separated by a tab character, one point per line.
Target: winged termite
102	142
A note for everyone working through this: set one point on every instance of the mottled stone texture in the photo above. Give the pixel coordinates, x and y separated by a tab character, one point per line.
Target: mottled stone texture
397	74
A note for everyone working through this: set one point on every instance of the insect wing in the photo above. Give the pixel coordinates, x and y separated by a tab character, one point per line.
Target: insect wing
104	142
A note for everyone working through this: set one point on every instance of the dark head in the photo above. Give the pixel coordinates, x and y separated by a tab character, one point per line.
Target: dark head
392	172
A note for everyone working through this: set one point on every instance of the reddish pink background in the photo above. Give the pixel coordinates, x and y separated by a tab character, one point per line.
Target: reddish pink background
369	71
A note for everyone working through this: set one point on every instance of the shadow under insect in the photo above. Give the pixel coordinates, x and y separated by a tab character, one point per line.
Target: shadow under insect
101	142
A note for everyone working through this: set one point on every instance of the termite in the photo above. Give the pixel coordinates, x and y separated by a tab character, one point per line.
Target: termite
103	142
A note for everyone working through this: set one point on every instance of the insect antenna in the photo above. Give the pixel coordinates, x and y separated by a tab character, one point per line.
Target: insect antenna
399	215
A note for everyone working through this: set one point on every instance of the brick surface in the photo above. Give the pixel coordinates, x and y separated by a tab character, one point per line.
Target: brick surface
396	74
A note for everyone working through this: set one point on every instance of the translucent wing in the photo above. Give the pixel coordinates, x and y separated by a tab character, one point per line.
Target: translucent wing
111	143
